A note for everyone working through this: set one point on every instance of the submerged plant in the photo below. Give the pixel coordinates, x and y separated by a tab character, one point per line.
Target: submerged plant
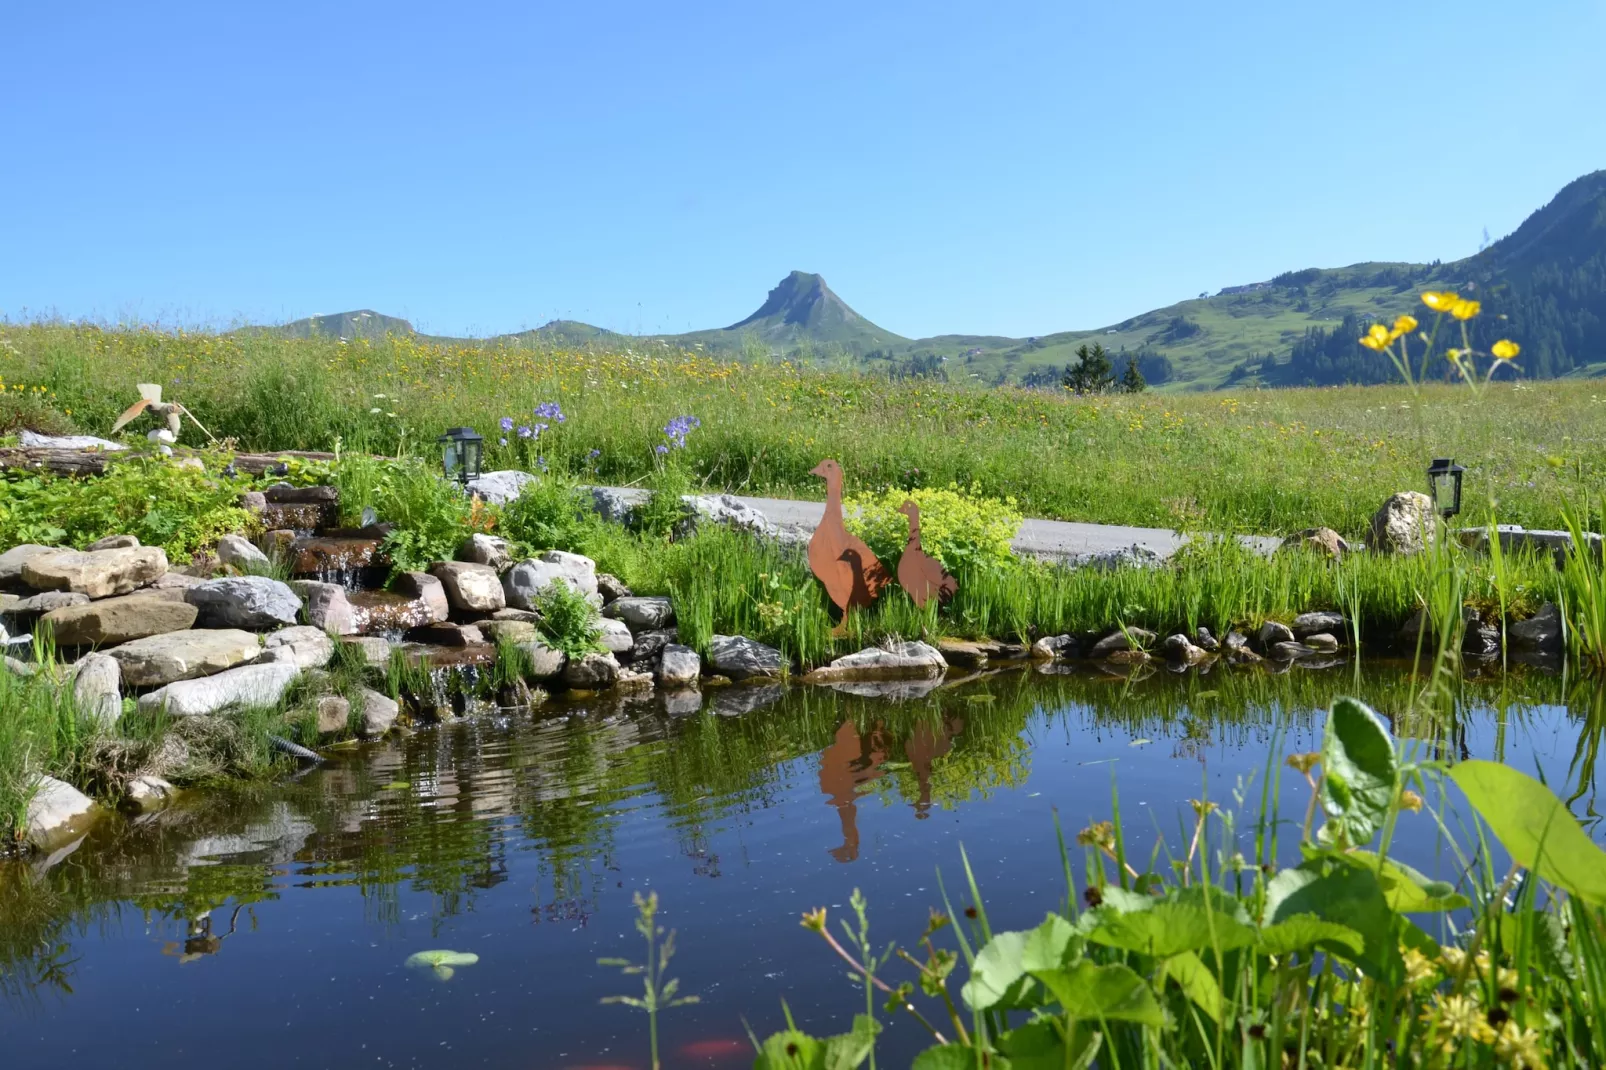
658	993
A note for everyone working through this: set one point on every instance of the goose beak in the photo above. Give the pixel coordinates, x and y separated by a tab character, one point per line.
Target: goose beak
818	470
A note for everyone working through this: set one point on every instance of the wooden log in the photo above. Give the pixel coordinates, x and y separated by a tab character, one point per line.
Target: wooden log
94	462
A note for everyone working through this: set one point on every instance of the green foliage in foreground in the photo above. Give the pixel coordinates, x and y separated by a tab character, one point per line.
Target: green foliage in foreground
1344	958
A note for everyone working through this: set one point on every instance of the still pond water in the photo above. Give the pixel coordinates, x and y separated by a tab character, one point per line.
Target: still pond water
269	928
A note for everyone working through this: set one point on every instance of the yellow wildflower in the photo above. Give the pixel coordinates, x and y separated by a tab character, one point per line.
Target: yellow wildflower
1464	309
1410	800
1505	349
1403	325
1418	967
1440	300
1376	337
1518	1046
1459	1017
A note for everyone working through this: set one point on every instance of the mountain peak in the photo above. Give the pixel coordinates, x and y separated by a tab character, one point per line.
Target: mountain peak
801	299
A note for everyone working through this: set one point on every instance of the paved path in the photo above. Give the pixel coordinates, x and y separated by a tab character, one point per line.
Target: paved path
1061	540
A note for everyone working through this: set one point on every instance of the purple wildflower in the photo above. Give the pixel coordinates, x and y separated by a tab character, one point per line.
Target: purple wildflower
677	429
661	449
525	432
550	410
507	424
502	440
542	462
539	428
593	455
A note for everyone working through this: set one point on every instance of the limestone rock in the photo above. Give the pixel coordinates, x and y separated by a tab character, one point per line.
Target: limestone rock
55	805
613	506
240	552
499	488
1540	633
1056	648
1273	632
303	646
525	580
594	672
1289	650
33	440
117	620
47	602
249	685
1406	524
615	635
739	657
428	590
641	614
543	663
893	659
679	666
379	714
334	714
444	634
726	510
163	659
1325	620
1324	541
172	581
114	542
375	651
1117	641
508	631
12	560
611	587
149	792
244	602
1180	649
97	573
633	680
960	653
1205	641
524	615
470	588
328	608
97	681
1322	643
482	549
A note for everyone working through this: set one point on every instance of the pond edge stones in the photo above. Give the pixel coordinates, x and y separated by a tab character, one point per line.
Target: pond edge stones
244	602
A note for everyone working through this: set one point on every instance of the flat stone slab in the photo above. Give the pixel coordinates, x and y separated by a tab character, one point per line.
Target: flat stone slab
163	659
96	573
249	685
118	620
55	809
244	602
739	657
12	560
894	659
641	613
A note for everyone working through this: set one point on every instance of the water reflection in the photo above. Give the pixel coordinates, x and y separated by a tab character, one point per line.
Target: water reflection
529	836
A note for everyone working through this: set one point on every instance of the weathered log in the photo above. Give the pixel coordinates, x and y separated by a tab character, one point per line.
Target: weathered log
94	462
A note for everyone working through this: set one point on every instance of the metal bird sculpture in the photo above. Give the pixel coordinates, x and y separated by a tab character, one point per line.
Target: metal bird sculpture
918	572
150	397
849	570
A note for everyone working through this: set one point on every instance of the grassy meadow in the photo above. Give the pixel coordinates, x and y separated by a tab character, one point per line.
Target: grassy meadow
1257	461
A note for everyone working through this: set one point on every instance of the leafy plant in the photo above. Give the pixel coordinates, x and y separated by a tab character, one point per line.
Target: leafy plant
664	512
960	526
432	515
550	513
658	994
569	622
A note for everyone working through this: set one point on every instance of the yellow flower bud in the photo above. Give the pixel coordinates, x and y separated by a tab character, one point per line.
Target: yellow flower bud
1505	349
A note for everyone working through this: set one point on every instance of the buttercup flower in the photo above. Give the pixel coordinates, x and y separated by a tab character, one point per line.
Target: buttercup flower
1505	349
1440	300
1403	325
1377	337
1464	309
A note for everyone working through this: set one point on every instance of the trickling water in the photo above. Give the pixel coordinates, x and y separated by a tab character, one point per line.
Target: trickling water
352	563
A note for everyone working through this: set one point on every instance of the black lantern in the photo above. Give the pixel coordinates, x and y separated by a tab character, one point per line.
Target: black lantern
462	448
1444	480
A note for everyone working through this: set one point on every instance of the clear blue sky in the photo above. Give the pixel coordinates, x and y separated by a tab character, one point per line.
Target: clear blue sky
993	168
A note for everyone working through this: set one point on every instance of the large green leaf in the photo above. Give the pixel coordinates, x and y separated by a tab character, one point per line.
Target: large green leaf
1034	1046
792	1049
1170	928
1407	890
1535	827
1052	944
998	977
1348	895
1359	770
1195	979
1302	932
847	1050
1112	992
955	1057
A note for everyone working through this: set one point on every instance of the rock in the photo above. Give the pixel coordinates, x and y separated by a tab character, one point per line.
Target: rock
1273	632
1404	525
253	501
739	657
1324	541
960	653
285	494
443	634
1288	650
334	714
1056	648
242	553
1540	633
1205	641
379	713
328	608
541	661
1134	556
244	602
33	440
612	505
499	488
1180	649
735	701
1128	657
594	672
1236	640
1322	643
114	542
893	659
1325	620
54	807
1115	642
97	573
523	615
508	631
525	580
172	581
611	587
20	668
650	645
117	620
641	614
12	560
375	651
1416	627
616	636
149	792
679	667
1480	640
97	682
426	589
470	588
490	550
1242	655
47	602
249	685
303	646
163	659
633	680
725	509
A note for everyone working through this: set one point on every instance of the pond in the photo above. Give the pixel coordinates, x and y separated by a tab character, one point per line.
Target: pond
269	927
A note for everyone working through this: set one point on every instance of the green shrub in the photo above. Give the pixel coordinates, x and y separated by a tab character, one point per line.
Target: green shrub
665	508
568	621
551	513
432	516
959	526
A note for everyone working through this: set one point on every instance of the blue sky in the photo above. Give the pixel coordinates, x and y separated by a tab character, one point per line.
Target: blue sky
990	168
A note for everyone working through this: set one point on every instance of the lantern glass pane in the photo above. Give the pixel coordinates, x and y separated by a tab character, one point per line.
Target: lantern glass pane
1444	492
452	459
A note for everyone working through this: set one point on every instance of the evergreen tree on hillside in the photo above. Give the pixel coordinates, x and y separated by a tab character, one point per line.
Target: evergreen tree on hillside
1092	373
1132	379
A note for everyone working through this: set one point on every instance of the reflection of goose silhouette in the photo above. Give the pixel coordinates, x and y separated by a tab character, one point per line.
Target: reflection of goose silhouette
199	939
850	571
850	760
926	744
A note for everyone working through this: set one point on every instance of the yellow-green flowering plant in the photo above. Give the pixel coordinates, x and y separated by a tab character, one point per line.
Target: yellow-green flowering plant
959	526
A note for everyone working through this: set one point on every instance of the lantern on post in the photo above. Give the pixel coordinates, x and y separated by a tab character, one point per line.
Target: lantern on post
461	450
1444	483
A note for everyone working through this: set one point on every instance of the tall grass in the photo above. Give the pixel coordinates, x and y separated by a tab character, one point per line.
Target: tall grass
41	732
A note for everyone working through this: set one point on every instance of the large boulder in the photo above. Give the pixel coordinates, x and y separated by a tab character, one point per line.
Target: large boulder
893	659
163	659
614	506
97	573
1540	633
482	549
97	682
379	713
117	620
375	649
594	672
541	661
33	440
1121	641
509	631
679	666
244	602
45	602
1273	632
642	613
739	657
1179	649
525	580
328	608
726	510
428	591
1056	648
54	807
499	488
12	560
1406	524
470	588
114	542
249	685
303	646
334	714
242	553
615	636
1321	620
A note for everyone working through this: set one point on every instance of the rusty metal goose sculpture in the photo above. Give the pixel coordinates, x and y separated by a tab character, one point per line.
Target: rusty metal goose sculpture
918	572
850	571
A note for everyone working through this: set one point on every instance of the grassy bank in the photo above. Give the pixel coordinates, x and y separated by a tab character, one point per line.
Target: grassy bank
1262	461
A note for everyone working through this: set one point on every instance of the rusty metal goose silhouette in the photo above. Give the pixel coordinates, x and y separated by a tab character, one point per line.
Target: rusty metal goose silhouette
918	572
851	573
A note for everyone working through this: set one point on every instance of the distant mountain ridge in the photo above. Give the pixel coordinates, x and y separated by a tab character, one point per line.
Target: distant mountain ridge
1543	285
